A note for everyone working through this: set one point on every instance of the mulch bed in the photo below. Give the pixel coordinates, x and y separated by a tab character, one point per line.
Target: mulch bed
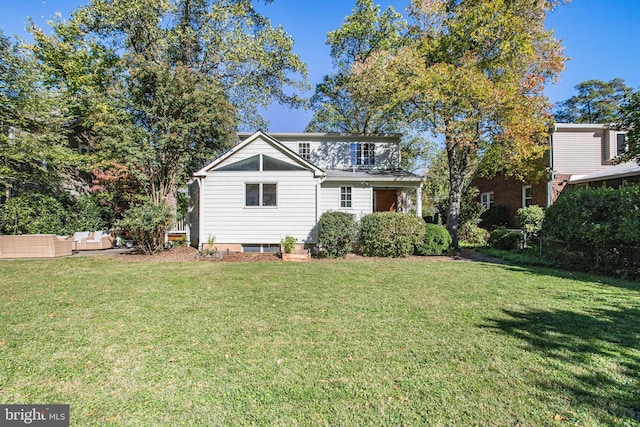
189	254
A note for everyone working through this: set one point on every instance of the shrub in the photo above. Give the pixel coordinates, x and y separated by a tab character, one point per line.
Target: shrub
32	213
597	229
495	217
336	232
530	219
437	240
501	238
147	225
473	234
390	234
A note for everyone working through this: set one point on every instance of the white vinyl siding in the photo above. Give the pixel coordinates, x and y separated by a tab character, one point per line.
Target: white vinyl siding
578	152
336	154
361	199
227	218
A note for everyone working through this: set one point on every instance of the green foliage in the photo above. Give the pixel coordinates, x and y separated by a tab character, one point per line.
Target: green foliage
501	238
629	120
495	217
437	240
530	219
390	234
32	213
336	233
346	101
33	144
596	102
288	244
37	213
147	225
597	230
473	234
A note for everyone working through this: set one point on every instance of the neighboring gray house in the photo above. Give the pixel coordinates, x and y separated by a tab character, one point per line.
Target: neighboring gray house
575	151
278	184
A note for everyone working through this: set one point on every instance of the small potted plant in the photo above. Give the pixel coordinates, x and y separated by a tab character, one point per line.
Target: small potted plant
289	252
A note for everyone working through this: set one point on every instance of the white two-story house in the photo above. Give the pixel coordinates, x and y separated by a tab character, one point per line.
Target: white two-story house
272	185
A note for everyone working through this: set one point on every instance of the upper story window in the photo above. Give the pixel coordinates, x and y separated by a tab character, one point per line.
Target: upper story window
486	199
345	197
304	149
362	154
527	196
261	195
621	143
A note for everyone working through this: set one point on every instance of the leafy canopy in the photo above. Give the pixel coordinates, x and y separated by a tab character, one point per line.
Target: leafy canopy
596	102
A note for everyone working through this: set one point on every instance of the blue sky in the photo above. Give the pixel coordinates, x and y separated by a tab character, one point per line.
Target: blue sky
601	38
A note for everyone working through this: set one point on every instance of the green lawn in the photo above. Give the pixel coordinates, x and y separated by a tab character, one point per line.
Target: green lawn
385	342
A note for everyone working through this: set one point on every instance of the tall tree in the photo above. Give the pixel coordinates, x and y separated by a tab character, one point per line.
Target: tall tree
475	74
33	144
343	103
187	72
596	102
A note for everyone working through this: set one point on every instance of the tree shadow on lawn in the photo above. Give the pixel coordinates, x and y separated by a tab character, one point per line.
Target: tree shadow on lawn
556	272
593	358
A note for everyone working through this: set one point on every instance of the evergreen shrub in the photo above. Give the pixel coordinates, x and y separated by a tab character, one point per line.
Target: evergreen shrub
391	234
437	241
336	233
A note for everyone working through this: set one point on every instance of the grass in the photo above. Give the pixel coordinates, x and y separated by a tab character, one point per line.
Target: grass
385	342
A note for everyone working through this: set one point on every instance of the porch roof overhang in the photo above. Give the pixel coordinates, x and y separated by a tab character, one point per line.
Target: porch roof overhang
393	177
622	170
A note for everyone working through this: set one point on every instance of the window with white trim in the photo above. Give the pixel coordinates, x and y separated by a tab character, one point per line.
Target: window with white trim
261	194
527	196
486	199
621	143
304	149
345	197
362	154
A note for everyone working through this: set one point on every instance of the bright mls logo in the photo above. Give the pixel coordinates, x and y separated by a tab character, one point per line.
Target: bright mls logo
34	415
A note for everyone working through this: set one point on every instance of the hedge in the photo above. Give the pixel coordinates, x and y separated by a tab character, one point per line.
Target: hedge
597	230
391	234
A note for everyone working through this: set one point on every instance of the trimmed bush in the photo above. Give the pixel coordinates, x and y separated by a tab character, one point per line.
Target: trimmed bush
147	225
501	238
437	240
597	230
336	233
391	234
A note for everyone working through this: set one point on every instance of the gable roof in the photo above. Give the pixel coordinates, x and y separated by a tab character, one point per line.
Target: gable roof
273	143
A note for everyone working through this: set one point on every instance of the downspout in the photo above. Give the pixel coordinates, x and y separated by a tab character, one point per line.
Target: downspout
552	176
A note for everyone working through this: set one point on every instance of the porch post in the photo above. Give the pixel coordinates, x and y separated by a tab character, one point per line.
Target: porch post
419	201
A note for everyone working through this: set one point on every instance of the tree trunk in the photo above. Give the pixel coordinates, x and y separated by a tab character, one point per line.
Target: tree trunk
458	159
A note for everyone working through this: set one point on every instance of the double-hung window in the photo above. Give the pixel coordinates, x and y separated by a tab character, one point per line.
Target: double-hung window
304	149
345	197
261	195
486	199
527	196
621	143
362	154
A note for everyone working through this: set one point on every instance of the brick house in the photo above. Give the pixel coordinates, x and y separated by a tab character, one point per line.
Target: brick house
575	150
